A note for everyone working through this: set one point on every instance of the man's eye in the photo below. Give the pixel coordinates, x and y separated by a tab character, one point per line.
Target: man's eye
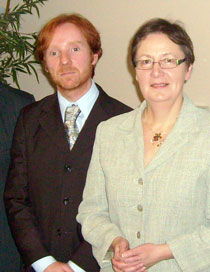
75	49
54	53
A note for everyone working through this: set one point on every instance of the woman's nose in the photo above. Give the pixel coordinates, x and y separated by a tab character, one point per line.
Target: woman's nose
156	70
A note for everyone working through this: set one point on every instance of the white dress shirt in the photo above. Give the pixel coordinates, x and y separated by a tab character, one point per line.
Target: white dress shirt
85	103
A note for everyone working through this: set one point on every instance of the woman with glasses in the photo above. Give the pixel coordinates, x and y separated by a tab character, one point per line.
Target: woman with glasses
146	204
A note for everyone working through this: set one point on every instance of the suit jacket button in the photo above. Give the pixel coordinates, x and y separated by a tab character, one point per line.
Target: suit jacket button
140	181
65	201
58	232
140	208
138	234
67	167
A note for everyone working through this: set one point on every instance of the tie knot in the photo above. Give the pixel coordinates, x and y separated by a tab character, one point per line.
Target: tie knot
72	112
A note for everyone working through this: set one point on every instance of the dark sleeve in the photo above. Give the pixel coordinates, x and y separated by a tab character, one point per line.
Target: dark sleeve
21	99
11	102
84	257
21	218
30	99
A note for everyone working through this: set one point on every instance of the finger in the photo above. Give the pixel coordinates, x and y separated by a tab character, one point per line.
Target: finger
117	254
116	269
134	268
142	269
123	247
131	252
132	259
126	266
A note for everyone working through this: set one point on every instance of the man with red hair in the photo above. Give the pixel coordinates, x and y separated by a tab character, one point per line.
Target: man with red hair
52	148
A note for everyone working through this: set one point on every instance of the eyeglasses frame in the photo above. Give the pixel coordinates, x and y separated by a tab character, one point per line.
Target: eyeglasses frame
178	62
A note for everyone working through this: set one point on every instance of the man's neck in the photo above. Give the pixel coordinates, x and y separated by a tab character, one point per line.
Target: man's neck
76	93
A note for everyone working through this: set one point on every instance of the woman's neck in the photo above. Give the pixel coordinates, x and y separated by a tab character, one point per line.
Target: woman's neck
157	121
160	117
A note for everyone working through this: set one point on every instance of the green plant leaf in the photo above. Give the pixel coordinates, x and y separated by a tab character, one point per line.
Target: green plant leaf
17	48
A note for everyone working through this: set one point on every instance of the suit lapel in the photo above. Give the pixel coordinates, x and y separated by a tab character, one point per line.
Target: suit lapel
6	124
3	123
86	136
51	121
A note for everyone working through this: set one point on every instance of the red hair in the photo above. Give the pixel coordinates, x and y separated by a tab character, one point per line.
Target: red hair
86	27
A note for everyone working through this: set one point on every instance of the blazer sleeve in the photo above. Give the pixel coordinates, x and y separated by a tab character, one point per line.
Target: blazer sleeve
22	221
93	214
187	247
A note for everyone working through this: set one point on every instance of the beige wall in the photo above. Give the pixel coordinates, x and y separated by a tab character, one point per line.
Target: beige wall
117	20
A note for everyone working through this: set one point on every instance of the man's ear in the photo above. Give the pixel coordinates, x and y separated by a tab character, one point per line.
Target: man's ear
95	59
45	67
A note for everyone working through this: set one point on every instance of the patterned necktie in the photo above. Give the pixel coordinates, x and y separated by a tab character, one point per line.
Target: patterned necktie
71	127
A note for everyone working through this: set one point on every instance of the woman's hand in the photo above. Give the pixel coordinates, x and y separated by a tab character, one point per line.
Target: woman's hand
147	255
120	246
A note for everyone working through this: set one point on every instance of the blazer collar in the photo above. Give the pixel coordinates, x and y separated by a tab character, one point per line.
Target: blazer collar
186	127
187	117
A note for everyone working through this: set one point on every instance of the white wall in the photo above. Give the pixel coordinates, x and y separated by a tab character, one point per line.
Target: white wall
117	21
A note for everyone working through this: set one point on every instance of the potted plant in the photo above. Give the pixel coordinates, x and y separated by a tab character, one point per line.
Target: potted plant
16	47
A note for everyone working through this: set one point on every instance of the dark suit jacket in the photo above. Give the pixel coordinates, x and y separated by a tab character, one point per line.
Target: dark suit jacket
46	181
11	102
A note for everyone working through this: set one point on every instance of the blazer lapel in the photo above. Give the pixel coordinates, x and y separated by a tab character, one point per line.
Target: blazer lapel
184	129
132	136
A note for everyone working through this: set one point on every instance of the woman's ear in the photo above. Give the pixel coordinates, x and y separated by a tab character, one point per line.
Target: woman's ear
189	72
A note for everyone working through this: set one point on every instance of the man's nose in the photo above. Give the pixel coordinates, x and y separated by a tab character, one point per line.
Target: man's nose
65	58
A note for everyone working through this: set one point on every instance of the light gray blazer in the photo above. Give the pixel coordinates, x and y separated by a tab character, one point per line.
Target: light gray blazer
166	202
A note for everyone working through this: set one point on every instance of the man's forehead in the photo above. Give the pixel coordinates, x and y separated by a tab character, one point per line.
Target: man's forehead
68	27
68	32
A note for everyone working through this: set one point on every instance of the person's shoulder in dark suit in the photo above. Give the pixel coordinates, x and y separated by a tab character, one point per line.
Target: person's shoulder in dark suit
111	105
15	97
11	102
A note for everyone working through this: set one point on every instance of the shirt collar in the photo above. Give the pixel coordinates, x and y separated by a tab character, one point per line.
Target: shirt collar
85	102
